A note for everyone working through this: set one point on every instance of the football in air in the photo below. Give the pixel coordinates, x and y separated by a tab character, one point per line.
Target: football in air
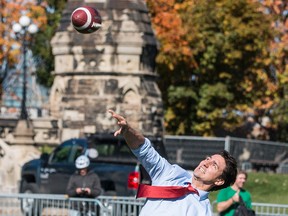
86	19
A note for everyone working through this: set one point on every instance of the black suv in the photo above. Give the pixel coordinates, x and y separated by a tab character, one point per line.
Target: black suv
119	171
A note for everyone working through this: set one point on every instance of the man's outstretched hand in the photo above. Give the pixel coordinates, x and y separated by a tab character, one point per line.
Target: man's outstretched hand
121	122
133	137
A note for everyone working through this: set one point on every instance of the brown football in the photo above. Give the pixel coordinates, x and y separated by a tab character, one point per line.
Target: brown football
86	19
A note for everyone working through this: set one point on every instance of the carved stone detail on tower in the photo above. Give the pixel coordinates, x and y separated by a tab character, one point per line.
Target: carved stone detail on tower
111	68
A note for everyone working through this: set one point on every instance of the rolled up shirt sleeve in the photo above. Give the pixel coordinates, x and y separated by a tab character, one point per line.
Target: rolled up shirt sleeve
157	167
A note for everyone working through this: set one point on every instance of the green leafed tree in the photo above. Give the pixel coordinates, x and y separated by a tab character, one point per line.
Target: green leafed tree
42	48
221	70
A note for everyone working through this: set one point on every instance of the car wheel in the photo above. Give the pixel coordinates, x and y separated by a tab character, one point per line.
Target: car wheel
28	204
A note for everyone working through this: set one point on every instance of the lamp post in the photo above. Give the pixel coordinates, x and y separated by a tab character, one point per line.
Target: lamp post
24	29
24	133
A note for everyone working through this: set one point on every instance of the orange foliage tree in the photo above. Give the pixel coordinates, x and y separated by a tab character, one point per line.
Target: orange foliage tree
10	12
279	53
169	29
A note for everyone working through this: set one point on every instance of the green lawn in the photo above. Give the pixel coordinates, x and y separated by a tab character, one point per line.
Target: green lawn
265	188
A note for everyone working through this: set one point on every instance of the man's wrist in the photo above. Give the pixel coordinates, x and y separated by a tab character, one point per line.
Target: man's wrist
124	129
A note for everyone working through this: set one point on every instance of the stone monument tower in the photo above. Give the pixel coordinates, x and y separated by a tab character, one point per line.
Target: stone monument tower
111	68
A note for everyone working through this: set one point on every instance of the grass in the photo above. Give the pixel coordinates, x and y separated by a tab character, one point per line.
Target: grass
265	188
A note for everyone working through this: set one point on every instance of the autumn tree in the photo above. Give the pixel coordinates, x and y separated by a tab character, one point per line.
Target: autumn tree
10	46
279	53
46	14
218	68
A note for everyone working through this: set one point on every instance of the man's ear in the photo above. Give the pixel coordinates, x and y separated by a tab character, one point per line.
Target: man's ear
219	182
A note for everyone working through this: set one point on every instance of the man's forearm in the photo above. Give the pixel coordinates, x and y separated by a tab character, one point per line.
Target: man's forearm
133	137
222	206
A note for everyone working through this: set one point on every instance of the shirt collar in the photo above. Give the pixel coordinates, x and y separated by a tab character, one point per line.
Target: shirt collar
203	194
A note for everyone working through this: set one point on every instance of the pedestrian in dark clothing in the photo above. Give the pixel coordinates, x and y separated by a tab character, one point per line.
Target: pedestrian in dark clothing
85	184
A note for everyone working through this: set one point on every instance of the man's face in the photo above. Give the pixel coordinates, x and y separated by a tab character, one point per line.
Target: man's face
209	170
83	172
240	180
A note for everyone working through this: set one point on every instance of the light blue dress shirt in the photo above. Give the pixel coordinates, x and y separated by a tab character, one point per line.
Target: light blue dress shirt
162	173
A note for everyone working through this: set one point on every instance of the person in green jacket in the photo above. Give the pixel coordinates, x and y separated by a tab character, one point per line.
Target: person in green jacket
228	198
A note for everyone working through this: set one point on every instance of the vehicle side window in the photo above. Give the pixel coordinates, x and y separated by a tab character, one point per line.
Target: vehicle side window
61	154
104	149
115	150
111	149
77	152
123	151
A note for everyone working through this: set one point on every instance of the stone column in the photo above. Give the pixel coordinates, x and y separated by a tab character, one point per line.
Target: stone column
24	133
111	68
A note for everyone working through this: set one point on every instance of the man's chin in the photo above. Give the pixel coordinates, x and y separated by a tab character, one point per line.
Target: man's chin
196	174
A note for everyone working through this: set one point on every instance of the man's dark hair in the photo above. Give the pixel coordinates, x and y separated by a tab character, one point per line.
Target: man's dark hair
229	173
